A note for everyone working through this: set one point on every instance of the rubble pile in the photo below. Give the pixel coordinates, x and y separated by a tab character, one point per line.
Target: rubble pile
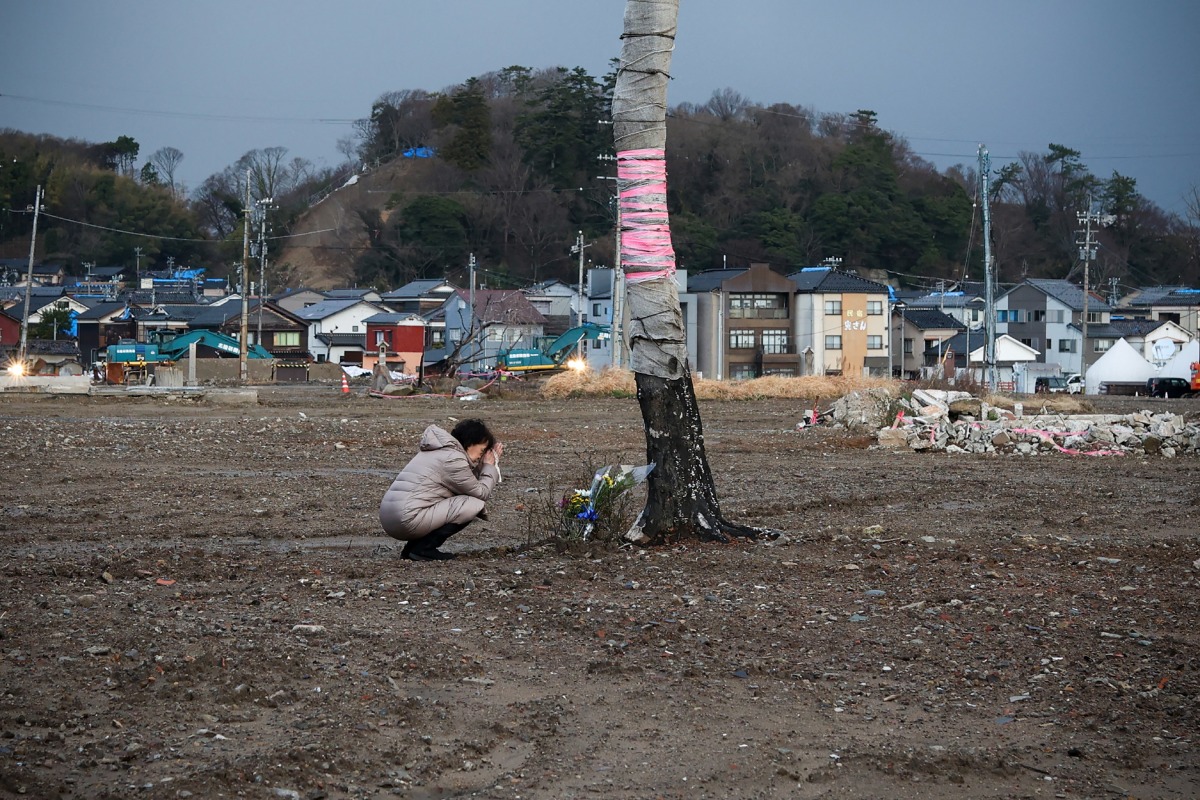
956	422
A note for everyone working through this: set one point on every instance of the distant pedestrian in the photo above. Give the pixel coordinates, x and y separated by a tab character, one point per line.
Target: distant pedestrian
443	489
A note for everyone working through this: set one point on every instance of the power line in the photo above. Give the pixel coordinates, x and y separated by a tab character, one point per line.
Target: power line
179	114
157	236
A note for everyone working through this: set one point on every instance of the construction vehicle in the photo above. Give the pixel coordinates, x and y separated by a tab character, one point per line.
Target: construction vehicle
553	355
173	346
134	362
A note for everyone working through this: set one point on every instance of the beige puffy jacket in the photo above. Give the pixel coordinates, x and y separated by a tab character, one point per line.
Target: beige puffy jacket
438	486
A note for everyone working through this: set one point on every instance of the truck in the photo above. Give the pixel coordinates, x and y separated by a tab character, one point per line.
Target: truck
553	354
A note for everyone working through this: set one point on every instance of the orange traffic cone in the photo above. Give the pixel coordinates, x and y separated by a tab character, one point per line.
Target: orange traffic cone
345	384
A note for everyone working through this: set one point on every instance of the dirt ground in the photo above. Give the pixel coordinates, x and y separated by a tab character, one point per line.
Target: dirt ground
195	601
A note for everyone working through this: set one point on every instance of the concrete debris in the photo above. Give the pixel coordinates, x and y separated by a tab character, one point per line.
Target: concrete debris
936	422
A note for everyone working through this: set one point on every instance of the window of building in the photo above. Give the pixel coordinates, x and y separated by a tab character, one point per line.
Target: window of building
741	339
1014	315
1037	315
287	339
908	347
874	342
874	308
741	372
1095	317
1102	345
1056	315
758	306
1065	346
1001	315
776	341
783	372
833	342
595	309
437	337
1027	342
595	344
833	307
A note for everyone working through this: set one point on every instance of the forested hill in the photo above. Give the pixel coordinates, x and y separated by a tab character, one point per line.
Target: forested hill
510	166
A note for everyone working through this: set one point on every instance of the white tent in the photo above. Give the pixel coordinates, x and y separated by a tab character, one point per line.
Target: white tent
1180	365
1121	364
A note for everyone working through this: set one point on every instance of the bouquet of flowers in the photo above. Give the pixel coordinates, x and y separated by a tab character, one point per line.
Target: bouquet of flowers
583	507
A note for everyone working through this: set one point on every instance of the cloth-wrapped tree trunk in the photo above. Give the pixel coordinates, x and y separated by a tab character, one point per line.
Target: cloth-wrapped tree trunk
681	499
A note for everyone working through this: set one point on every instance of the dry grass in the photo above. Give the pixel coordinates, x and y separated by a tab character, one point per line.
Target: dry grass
620	383
1043	403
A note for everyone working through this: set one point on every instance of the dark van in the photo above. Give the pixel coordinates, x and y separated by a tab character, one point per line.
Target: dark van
1168	387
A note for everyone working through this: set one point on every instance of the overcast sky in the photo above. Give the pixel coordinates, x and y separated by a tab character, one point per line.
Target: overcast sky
1118	80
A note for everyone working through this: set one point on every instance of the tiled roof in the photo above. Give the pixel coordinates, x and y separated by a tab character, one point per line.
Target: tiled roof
708	281
930	318
505	306
1067	293
826	280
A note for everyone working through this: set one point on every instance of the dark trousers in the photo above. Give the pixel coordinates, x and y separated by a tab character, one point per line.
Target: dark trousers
435	538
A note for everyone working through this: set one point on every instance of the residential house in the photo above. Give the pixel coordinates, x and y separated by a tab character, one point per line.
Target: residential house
336	329
418	297
501	320
10	332
745	323
918	346
560	303
105	324
296	300
967	351
368	295
1047	316
842	325
13	271
600	305
284	335
1178	304
53	357
966	305
1156	340
399	338
49	274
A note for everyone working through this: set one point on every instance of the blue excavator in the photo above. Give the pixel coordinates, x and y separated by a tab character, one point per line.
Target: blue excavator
552	355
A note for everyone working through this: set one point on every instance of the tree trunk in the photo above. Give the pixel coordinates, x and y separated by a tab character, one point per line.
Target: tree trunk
682	499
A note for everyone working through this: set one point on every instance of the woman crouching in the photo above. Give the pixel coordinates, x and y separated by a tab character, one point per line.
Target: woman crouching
442	490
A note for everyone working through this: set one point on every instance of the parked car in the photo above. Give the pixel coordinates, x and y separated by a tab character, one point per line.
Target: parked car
1053	384
1168	387
1075	384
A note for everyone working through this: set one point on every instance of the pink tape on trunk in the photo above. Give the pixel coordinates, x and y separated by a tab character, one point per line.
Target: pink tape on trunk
646	251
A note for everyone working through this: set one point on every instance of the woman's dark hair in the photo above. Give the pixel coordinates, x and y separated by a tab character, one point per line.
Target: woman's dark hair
473	431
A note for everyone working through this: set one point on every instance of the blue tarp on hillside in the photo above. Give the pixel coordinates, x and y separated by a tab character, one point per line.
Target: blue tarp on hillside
419	152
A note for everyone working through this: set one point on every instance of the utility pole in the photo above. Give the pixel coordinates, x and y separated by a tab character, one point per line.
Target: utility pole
264	207
578	247
1087	254
24	349
244	331
989	314
1114	291
476	347
137	269
616	338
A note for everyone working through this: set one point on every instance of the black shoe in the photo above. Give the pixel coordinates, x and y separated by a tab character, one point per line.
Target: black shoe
427	555
483	515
